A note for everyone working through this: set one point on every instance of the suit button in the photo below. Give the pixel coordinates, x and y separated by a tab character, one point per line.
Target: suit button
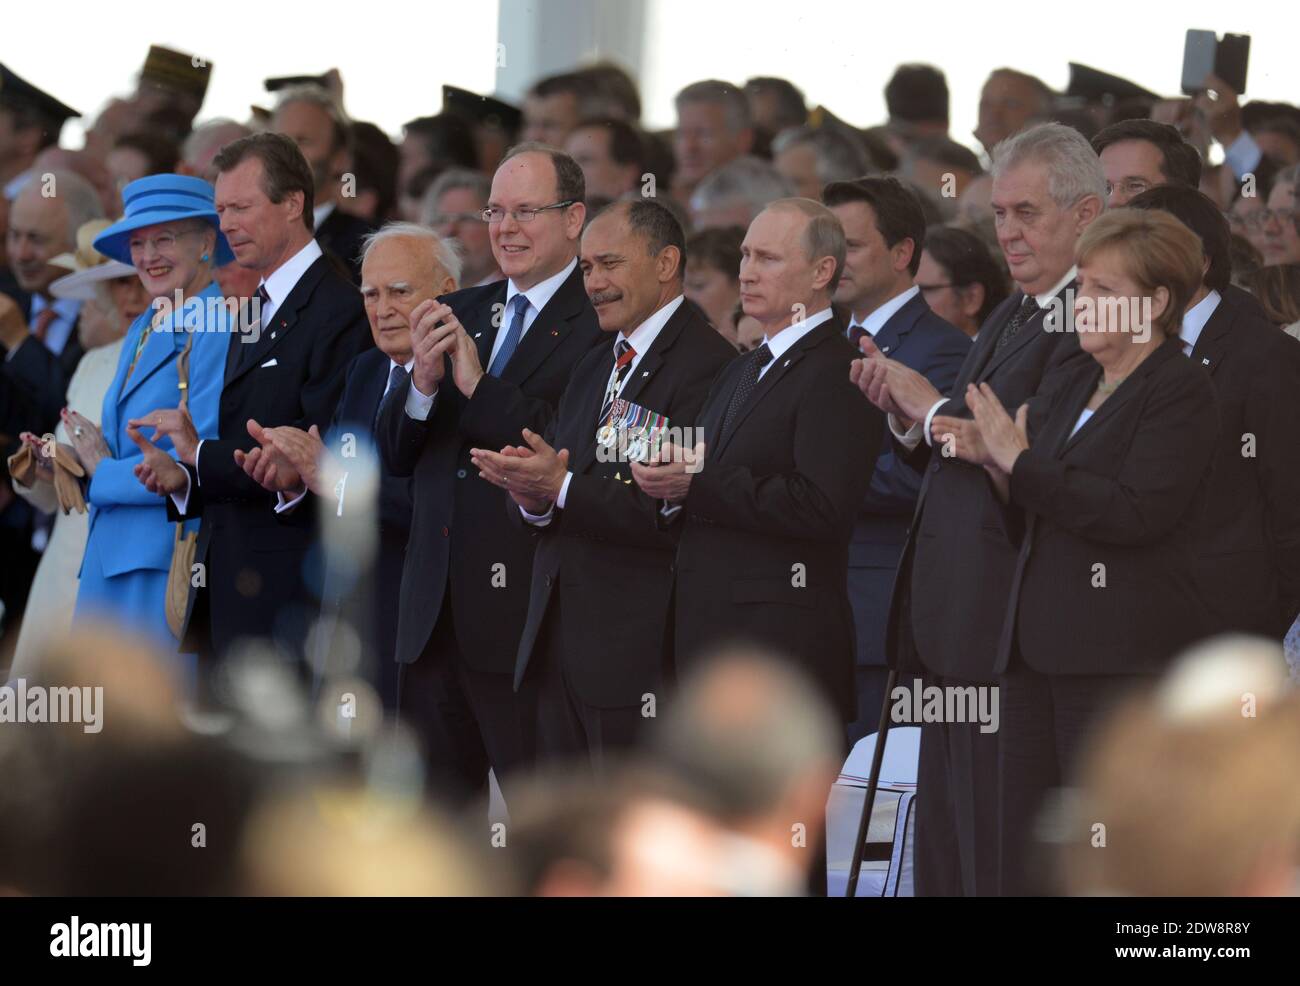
446	533
550	581
934	467
460	473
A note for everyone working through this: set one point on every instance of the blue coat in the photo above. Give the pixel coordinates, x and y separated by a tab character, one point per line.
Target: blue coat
129	549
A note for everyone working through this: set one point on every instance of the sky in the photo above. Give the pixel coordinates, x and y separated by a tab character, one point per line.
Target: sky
395	55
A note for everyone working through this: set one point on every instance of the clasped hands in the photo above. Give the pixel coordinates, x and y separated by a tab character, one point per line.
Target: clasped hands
436	332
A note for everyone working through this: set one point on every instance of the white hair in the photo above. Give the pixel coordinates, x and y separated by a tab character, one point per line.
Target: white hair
443	254
1073	167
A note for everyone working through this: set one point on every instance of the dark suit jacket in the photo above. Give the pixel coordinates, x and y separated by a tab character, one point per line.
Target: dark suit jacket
459	530
763	553
920	339
604	554
953	579
1248	548
1124	493
254	557
40	379
341	234
373	601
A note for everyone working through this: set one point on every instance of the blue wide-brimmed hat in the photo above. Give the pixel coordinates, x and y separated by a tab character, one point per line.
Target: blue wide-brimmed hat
161	199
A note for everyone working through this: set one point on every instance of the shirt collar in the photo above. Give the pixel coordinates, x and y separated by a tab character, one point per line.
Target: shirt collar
282	280
320	213
1045	299
541	293
644	335
1194	320
875	321
64	308
789	336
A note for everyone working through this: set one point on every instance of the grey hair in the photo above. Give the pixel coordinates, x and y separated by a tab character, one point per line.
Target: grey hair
1073	167
730	98
77	195
746	179
450	180
446	257
318	97
839	157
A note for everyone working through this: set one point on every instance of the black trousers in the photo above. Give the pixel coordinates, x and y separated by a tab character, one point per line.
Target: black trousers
1046	722
568	729
956	807
467	721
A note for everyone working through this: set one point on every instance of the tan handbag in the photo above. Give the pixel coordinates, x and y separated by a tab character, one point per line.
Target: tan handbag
184	545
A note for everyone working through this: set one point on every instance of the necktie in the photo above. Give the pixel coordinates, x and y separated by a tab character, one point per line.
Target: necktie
512	336
856	332
758	359
41	326
396	377
624	354
264	300
1027	310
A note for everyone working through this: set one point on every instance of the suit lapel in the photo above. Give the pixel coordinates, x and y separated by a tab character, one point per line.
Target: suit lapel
777	372
487	328
891	334
1214	339
283	320
548	329
584	427
1124	393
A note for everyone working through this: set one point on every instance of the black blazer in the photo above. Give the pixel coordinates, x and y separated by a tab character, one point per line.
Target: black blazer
341	234
40	379
955	573
763	553
604	554
254	557
1248	547
1103	583
459	531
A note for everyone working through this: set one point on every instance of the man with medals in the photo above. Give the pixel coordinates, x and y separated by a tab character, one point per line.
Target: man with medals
598	638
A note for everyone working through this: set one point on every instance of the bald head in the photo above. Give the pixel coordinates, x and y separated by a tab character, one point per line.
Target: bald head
43	223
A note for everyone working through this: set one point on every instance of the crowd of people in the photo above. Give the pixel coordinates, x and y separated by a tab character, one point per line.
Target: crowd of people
636	472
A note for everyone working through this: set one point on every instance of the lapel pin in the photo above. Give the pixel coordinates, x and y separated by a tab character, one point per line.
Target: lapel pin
555	332
1205	361
785	364
884	349
477	335
645	373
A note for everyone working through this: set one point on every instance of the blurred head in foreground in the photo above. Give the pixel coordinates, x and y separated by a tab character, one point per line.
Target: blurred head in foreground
1193	790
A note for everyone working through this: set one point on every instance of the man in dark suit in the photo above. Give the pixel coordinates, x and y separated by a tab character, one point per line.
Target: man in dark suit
884	229
767	496
767	505
290	370
402	266
954	577
310	116
489	362
599	632
1248	547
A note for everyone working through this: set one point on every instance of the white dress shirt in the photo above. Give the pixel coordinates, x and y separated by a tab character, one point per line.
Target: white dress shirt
641	339
875	321
59	331
1194	321
784	340
419	405
282	280
911	438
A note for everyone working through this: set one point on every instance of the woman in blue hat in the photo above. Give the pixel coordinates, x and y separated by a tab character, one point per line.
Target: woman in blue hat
170	235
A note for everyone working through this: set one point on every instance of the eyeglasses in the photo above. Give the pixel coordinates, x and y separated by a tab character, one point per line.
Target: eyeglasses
1132	187
1261	218
495	215
163	242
